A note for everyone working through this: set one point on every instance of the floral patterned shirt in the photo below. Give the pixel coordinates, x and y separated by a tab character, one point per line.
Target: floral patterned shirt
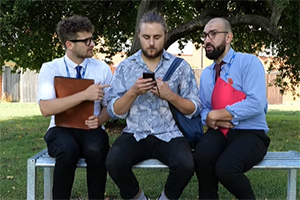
149	114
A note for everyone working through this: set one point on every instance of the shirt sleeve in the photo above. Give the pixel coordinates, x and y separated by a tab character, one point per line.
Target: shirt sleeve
108	81
205	94
46	88
190	90
184	80
254	86
117	90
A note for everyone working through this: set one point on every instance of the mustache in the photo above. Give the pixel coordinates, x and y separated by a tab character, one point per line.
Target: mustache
207	45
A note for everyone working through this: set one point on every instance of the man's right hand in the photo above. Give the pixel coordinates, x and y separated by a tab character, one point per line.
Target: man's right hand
142	86
94	92
224	124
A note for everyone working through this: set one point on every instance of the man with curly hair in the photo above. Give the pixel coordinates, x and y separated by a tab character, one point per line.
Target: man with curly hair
67	145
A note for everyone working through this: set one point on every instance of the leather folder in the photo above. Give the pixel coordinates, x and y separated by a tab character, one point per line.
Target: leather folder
74	117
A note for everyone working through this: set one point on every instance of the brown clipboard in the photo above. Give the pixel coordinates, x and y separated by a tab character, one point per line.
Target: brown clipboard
74	117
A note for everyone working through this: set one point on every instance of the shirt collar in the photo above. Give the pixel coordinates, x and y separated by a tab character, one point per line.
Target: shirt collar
138	57
228	56
71	64
226	59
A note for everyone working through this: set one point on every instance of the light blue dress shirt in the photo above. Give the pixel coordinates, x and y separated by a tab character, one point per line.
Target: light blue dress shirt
248	76
92	69
149	114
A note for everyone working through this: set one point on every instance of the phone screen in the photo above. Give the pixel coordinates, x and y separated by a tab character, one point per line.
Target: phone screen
149	75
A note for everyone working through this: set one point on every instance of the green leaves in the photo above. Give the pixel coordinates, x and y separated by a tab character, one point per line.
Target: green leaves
28	28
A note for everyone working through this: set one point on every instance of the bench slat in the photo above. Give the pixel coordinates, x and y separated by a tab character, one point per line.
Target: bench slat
289	160
272	160
282	155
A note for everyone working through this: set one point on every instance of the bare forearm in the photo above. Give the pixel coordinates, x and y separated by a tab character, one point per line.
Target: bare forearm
216	118
185	106
56	106
103	116
220	115
123	104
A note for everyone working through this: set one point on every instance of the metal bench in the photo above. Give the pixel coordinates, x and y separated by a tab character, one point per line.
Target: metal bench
289	160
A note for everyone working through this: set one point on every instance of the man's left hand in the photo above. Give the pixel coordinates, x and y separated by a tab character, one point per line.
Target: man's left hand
92	122
162	89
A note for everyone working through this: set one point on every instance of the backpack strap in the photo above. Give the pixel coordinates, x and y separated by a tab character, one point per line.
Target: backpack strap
172	68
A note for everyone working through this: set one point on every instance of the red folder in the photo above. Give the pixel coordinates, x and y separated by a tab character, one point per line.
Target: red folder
224	94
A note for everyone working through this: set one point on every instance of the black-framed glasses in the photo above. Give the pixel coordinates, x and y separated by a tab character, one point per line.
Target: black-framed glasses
211	34
86	41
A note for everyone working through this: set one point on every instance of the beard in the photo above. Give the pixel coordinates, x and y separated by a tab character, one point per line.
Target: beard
216	52
156	54
88	53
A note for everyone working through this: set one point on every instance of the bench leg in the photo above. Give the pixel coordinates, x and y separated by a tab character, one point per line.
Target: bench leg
31	179
292	184
48	183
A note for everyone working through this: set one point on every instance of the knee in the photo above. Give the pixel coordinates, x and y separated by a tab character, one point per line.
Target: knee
225	171
183	165
203	157
115	163
96	152
67	156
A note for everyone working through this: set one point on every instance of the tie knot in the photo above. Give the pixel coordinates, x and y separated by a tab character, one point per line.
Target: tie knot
220	64
78	75
218	69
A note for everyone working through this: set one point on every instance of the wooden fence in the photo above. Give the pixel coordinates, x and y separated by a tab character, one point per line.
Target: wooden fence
19	87
22	87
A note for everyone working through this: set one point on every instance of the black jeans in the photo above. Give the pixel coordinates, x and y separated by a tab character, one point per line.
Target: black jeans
225	159
67	145
126	152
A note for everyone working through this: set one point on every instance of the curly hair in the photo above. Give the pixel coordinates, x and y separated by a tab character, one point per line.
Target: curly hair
68	28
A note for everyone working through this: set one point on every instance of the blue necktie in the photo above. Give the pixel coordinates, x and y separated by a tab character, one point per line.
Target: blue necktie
78	75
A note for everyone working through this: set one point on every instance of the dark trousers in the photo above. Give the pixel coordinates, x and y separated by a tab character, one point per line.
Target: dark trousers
225	159
67	145
126	152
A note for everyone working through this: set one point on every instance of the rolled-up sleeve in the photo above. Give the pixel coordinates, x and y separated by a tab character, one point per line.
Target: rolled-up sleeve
188	86
117	90
206	87
254	86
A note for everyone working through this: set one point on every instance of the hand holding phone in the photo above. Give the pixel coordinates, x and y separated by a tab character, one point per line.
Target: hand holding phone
149	75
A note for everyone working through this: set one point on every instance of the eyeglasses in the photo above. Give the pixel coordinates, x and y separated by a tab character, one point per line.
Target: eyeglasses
86	41
211	34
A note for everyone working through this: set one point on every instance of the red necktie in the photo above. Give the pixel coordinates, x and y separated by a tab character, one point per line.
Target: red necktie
218	69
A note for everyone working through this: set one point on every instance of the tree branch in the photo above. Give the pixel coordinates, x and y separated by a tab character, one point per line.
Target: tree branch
277	9
199	22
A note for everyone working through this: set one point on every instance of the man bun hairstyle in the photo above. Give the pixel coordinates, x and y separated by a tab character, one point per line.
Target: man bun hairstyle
153	17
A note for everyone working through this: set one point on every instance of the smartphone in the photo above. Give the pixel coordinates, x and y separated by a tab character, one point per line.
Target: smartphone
149	75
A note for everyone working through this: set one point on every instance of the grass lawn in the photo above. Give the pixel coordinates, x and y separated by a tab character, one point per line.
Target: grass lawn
21	135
